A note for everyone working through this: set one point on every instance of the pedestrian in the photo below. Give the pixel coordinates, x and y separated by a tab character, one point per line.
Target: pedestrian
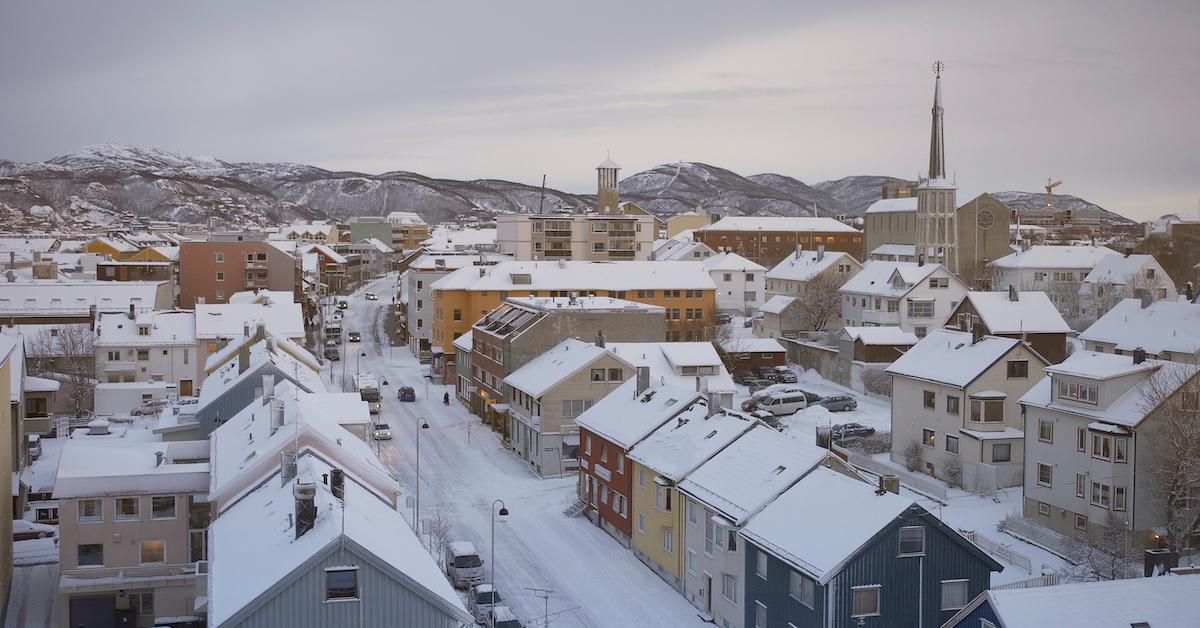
446	398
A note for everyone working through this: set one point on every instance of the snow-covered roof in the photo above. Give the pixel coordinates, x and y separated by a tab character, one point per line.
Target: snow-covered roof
821	545
76	296
893	205
228	320
379	245
455	261
582	303
1161	326
300	229
40	384
948	357
166	328
1161	602
681	248
25	246
886	335
875	278
1032	313
752	345
405	218
624	418
776	304
1131	407
688	439
92	467
561	361
447	239
256	545
750	472
681	354
1117	269
730	262
779	223
1052	256
804	265
578	275
294	362
465	342
608	164
894	250
119	245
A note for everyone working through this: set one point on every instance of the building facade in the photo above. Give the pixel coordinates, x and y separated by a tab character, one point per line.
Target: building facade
915	297
228	263
767	240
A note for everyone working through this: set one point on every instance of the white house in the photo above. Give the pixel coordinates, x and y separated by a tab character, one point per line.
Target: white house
914	296
1056	270
1167	330
150	346
1117	277
792	276
740	282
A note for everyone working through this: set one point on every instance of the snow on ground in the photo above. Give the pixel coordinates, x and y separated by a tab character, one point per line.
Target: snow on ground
39	476
31	599
464	467
35	552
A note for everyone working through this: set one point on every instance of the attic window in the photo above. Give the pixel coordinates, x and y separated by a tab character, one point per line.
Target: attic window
714	433
778	470
341	584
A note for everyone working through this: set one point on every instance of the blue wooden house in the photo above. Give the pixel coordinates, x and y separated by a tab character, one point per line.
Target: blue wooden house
834	551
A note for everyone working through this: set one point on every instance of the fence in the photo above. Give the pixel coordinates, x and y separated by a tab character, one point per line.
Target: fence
1004	552
1048	580
915	482
1045	538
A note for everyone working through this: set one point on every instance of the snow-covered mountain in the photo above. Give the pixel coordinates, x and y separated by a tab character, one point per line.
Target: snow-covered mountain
112	184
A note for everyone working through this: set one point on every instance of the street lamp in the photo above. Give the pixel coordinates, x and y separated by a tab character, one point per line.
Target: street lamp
357	359
503	513
417	504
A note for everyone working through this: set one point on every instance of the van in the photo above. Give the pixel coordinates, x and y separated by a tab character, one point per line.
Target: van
783	403
464	567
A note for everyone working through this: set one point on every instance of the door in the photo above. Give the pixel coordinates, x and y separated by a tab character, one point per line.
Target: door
93	612
185	388
708	593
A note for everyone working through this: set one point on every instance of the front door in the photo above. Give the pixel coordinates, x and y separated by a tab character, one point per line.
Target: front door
708	593
93	612
185	388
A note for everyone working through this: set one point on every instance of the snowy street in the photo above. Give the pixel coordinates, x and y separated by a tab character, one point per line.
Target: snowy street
464	468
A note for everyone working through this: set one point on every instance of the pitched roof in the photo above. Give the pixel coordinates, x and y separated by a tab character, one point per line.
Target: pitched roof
776	304
1116	269
876	277
885	335
577	275
752	345
804	265
624	418
731	262
228	320
663	357
949	357
561	361
1161	326
91	467
175	327
688	439
1160	602
893	205
1032	313
1051	256
779	223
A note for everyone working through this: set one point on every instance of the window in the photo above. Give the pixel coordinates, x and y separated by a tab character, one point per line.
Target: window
1045	431
987	410
1018	369
691	561
220	257
1081	439
620	463
930	399
691	513
162	507
760	564
668	541
220	276
641	523
127	509
1102	446
615	375
710	536
1080	522
802	589
1121	450
1043	509
143	355
760	615
866	601
729	587
151	551
952	406
728	277
89	510
220	295
928	438
1076	391
457	314
1001	452
952	444
1080	485
920	309
1045	474
575	407
662	498
912	541
642	479
954	594
587	445
939	282
920	332
341	584
1101	495
1118	502
142	603
90	555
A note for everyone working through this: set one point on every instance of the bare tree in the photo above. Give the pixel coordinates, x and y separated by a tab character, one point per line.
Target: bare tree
876	380
912	456
1137	284
1100	297
439	534
67	353
1104	551
1170	398
821	302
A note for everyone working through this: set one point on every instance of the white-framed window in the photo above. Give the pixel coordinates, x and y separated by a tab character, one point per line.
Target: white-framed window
760	564
341	584
1118	502
802	589
1080	485
662	498
1101	495
641	523
760	615
954	594
142	604
1045	431
641	478
620	463
729	587
1044	509
152	552
691	513
912	540
162	507
710	536
220	256
866	601
668	541
127	509
1045	475
691	561
951	444
90	510
928	438
1080	522
89	555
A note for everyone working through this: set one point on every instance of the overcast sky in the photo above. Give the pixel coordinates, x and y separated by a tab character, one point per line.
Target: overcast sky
1103	95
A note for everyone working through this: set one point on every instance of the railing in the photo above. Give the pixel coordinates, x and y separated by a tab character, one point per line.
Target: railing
880	316
1047	580
258	264
1045	538
121	366
985	426
913	481
87	576
1000	551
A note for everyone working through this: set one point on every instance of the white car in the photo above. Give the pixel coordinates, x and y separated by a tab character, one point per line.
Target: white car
371	296
381	431
188	406
480	601
25	530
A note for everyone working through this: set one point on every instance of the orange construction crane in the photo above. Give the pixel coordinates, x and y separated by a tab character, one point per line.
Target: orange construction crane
1050	185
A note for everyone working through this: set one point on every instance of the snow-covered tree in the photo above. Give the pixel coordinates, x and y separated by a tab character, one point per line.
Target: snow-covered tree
66	353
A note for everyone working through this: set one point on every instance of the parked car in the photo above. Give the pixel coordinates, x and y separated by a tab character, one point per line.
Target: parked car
758	384
786	375
724	319
337	315
846	431
745	377
757	395
342	303
151	407
782	403
481	600
463	564
406	393
25	530
331	354
749	322
188	405
839	403
502	617
766	372
381	431
768	418
354	337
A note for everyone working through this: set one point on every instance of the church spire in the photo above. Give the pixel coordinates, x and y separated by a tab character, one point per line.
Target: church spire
937	145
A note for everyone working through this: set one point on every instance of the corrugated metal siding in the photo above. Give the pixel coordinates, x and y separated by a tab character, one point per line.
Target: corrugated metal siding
773	593
983	611
236	398
382	602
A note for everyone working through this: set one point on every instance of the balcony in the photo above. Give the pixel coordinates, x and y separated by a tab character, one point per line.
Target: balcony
622	234
620	254
138	576
256	264
985	426
881	317
120	366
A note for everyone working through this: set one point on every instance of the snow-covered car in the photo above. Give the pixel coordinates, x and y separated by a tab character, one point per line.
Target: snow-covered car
768	418
382	431
839	403
371	296
337	315
151	407
481	600
851	430
502	617
188	406
786	375
25	530
723	319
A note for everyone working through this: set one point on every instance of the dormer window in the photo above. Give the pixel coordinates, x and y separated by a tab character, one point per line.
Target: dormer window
1075	391
143	330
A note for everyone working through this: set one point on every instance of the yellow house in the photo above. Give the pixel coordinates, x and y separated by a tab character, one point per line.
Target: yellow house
8	347
118	250
685	289
660	461
687	220
156	254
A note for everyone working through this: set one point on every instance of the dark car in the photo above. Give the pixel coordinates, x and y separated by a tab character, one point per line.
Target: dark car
758	384
839	403
354	337
786	375
766	372
846	431
724	319
745	377
406	393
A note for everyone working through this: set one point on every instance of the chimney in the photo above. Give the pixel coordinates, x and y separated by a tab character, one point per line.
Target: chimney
1013	295
1159	561
1128	251
287	466
888	483
10	276
132	312
482	271
920	259
714	404
820	252
643	379
600	339
337	483
1147	299
260	330
306	507
243	356
246	329
1139	355
1189	290
268	381
977	332
799	250
276	410
159	457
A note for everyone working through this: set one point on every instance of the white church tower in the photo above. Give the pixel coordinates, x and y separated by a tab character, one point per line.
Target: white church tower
937	235
608	197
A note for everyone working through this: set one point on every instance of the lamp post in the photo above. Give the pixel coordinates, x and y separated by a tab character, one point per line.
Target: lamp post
424	425
503	513
357	359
